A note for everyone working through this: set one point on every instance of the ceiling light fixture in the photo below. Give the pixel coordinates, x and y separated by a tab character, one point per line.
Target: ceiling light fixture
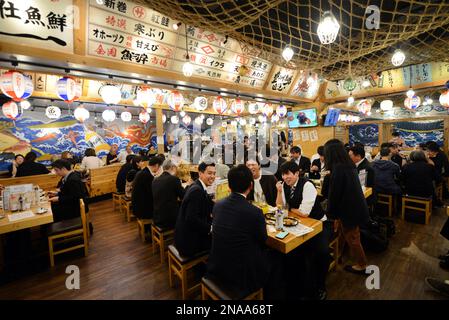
328	28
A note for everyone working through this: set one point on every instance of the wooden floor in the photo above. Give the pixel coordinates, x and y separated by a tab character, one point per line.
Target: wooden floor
120	266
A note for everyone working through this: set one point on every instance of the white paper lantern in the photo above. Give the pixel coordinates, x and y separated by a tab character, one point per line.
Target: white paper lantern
281	111
253	108
209	121
220	105
287	54
243	122
262	118
16	85
126	116
187	69
146	97
274	118
108	115
25	104
252	121
164	118
68	89
398	58
386	105
233	123
186	120
328	28
224	124
237	106
200	103
110	94
444	99
267	109
364	106
53	112
182	114
174	119
199	121
81	114
144	116
11	110
412	103
175	100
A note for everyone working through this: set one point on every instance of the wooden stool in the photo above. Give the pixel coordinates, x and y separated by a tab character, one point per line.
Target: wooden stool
427	202
334	246
141	223
179	265
387	199
160	238
125	206
439	191
211	289
117	200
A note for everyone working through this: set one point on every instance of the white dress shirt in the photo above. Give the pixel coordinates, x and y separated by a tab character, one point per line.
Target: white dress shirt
91	162
122	156
259	196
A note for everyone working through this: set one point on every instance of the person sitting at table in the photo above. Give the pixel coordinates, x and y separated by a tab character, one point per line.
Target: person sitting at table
31	168
418	176
239	258
302	161
193	225
137	165
264	190
318	166
112	156
122	156
300	196
90	160
167	193
397	140
386	173
65	202
439	159
120	181
67	155
18	160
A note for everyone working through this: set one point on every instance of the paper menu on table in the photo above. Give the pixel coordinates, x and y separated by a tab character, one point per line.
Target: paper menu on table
20	216
299	230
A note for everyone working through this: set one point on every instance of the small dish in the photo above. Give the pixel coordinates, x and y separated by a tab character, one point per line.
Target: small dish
41	211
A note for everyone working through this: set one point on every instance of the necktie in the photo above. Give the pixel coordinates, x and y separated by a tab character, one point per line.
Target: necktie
292	192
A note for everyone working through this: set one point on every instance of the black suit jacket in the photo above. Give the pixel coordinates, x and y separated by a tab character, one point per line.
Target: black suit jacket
304	164
237	257
315	174
31	169
192	232
120	181
268	184
142	194
278	174
167	191
418	179
365	165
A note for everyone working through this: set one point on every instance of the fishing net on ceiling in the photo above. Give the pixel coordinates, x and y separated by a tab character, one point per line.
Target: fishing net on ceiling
419	27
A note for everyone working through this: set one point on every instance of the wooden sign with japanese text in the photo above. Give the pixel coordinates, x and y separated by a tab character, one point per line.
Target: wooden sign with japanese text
281	79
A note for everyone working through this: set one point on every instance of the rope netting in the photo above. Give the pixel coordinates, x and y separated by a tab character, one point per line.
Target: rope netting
420	28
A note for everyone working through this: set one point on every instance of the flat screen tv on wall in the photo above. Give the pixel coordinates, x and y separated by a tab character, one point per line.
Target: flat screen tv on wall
302	118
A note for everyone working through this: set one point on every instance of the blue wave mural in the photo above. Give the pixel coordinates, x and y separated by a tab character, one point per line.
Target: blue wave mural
415	133
368	134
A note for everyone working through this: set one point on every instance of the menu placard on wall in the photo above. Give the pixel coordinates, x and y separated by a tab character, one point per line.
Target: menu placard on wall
39	24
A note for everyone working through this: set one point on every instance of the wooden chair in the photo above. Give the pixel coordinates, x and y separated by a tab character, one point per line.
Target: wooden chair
439	191
179	266
211	289
66	231
387	199
125	206
117	200
141	223
160	238
334	245
412	202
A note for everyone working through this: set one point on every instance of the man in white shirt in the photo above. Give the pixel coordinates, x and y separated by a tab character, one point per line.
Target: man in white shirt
264	190
122	155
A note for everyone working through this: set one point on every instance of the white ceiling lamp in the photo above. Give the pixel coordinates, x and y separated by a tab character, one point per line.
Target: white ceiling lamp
182	114
25	104
174	119
164	118
328	28
187	68
253	108
410	93
386	105
198	120
126	116
53	112
200	103
144	116
209	121
287	54
243	122
108	115
398	58
81	114
110	94
274	118
350	99
149	110
145	97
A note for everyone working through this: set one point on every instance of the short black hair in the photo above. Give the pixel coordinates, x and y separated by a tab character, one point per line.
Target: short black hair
358	150
155	161
203	166
385	152
240	178
433	146
295	149
18	155
289	166
129	158
336	154
418	156
395	134
30	156
62	163
135	161
90	152
320	150
386	145
423	145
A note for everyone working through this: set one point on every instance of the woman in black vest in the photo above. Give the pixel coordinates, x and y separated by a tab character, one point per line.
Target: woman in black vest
346	201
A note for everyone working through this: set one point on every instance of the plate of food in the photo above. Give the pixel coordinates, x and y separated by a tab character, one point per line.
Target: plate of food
288	221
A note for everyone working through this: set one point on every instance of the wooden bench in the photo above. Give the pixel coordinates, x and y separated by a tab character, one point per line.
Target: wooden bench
211	289
388	200
125	206
102	180
411	202
46	182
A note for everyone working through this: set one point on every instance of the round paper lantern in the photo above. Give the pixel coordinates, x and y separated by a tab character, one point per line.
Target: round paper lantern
412	103
186	120
174	119
200	103
281	111
444	99
220	105
349	84
237	106
262	118
274	118
145	97
108	115
81	114
16	85
243	122
53	112
198	121
175	100
144	116
252	121
398	58
68	89
126	116
233	123
11	110
386	105
253	108
164	118
364	106
267	110
110	94
210	121
224	124
25	104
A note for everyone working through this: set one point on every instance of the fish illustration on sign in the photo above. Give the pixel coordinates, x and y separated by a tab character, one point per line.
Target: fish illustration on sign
72	135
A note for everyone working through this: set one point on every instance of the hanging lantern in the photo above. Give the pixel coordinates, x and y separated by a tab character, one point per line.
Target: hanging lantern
398	58
209	121
187	69
186	120
200	103
386	105
243	122
267	110
174	119
274	118
53	112
220	105
252	121
281	111
175	100
81	114
253	108
108	115
328	28
349	84
224	124
444	99
144	116
364	106
237	106
11	110
16	85
110	94
233	123
262	118
68	89
412	103
198	121
126	116
145	97
25	104
164	118
287	54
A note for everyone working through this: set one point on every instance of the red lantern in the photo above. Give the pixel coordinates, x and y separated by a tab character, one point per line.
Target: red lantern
11	110
175	100
68	89
16	85
220	105
238	106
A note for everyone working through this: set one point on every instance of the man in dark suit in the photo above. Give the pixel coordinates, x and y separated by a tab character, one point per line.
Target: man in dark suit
65	203
142	194
120	181
357	155
167	192
302	161
193	225
317	165
264	185
31	168
239	259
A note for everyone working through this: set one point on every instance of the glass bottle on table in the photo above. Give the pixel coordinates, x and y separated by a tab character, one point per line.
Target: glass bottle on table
279	218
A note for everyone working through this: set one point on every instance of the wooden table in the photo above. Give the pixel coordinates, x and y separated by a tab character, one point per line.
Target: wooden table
367	192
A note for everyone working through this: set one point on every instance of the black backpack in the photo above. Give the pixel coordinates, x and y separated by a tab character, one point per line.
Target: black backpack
372	237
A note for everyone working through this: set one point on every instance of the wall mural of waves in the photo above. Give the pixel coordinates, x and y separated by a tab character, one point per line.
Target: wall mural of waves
415	133
368	134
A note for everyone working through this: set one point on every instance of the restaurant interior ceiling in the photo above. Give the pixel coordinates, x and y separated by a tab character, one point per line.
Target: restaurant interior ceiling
419	28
